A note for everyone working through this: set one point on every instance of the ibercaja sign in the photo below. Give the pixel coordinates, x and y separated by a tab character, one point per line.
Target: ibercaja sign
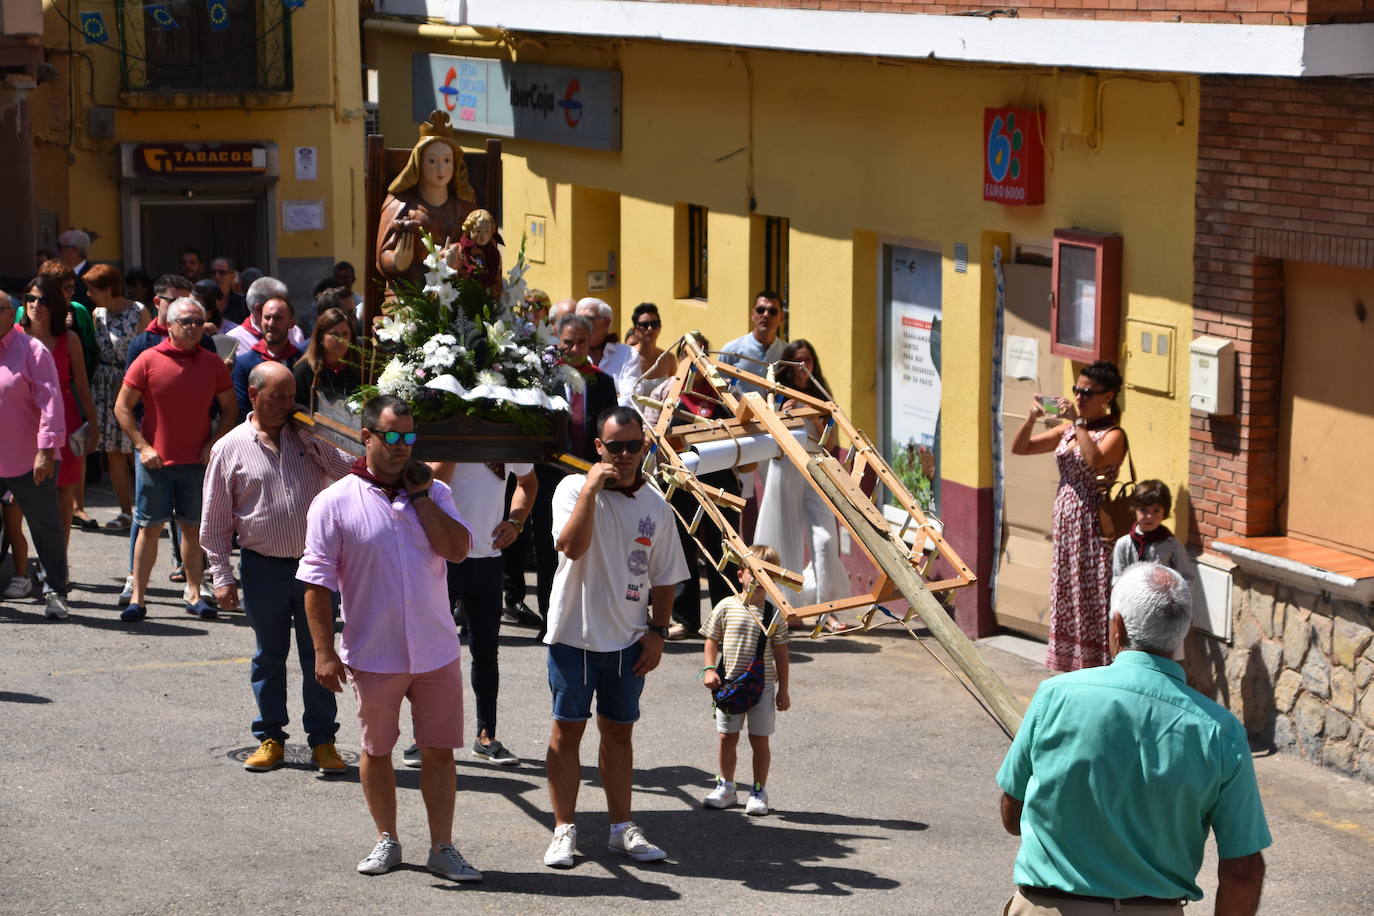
1013	156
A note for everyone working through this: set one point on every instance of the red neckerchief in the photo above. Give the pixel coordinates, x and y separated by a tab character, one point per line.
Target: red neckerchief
157	327
360	468
178	354
587	368
261	348
252	328
1141	541
631	488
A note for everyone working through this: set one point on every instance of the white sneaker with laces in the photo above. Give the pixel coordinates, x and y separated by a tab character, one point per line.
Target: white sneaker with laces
19	587
57	607
385	856
722	796
632	843
758	801
448	862
564	846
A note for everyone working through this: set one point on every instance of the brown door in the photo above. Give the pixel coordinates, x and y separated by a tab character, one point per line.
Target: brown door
1029	481
233	228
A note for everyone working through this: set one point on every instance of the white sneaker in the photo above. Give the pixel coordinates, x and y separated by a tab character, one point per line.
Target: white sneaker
564	846
632	843
722	796
448	862
19	587
127	593
57	607
385	856
758	801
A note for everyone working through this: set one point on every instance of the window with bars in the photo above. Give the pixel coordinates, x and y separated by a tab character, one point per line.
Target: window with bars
229	46
696	251
775	262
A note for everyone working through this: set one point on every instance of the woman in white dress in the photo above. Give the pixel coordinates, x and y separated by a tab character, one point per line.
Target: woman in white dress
649	362
793	518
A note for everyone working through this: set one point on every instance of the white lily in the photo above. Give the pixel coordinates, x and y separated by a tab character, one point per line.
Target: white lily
393	329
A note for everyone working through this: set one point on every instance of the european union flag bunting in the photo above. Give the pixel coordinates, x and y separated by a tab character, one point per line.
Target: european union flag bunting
219	14
160	16
93	27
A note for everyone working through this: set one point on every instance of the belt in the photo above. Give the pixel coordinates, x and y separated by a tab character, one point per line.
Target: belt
1123	901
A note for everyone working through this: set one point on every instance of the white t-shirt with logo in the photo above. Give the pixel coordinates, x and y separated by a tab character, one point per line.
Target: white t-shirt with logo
601	602
481	500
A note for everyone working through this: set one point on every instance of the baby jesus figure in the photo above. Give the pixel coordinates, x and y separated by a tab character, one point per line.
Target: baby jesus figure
478	256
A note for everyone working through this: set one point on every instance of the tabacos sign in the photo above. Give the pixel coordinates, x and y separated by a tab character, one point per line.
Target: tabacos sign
1013	156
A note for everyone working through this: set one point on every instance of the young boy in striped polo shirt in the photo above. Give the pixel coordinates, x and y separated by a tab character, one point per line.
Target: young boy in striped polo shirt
732	631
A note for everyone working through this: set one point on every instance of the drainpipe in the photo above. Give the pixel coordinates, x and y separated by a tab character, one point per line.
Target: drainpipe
466	35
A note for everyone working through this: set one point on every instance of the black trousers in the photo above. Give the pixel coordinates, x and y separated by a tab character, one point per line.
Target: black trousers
477	583
687	605
540	527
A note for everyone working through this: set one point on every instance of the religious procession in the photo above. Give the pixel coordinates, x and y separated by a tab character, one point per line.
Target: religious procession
562	431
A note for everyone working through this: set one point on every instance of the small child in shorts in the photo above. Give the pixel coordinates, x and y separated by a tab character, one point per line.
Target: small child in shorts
732	633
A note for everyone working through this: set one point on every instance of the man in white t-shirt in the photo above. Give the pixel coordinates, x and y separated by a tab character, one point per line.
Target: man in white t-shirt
479	493
608	617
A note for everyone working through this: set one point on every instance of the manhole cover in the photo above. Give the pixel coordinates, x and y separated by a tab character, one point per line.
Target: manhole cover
297	755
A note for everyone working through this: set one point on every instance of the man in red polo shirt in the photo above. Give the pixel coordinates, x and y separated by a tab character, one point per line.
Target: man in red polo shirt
178	381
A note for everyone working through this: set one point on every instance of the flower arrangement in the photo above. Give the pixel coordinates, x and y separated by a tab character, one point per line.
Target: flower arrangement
454	347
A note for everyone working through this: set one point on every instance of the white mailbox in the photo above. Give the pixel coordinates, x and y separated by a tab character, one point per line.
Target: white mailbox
1213	388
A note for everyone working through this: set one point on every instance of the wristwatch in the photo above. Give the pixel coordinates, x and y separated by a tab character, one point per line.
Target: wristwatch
519	525
661	631
420	494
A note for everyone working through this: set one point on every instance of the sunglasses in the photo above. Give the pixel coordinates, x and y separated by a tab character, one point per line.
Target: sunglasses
765	310
1085	392
30	297
191	322
648	325
621	448
391	437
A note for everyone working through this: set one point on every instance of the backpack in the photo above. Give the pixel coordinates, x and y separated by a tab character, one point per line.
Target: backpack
741	693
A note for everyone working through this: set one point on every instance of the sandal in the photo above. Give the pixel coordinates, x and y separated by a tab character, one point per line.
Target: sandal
178	574
120	522
836	626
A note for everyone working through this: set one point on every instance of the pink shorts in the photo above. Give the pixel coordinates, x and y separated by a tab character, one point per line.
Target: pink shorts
436	707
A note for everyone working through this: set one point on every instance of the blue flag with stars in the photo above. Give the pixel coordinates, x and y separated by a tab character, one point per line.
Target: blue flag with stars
161	16
93	27
293	4
219	14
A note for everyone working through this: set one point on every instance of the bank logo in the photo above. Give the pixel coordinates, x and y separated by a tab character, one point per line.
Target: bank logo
449	91
1004	144
572	108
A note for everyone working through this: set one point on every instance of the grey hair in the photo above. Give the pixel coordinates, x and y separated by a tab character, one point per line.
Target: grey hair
578	320
265	288
76	239
1156	605
593	304
181	305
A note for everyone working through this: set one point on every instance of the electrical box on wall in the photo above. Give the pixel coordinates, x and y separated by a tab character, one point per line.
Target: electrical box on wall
1213	370
1149	356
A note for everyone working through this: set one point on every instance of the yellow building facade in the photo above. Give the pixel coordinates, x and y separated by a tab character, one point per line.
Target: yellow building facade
240	137
841	168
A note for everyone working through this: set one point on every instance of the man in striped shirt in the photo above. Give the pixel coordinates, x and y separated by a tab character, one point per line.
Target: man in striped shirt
262	477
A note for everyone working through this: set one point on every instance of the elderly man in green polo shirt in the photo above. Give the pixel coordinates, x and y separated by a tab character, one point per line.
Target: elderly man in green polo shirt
1118	774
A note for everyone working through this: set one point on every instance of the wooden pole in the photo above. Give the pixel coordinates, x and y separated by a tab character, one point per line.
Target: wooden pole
895	562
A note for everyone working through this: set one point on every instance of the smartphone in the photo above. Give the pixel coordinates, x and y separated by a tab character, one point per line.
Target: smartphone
1049	403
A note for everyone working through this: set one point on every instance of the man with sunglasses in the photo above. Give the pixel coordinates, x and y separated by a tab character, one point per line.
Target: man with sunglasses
31	415
380	537
608	618
177	382
761	347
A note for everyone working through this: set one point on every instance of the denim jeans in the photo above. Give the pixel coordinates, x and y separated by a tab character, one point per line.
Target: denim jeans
274	601
477	583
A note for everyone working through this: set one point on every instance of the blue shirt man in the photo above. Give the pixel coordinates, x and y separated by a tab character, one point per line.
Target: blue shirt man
278	318
1118	774
761	347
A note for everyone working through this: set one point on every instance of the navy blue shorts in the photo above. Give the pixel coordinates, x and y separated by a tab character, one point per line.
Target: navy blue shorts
167	492
576	674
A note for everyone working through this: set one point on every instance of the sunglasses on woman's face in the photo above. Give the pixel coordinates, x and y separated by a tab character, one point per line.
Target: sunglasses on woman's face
648	325
31	298
1085	392
391	437
620	448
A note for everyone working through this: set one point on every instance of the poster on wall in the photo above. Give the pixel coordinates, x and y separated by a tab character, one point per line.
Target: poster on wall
912	330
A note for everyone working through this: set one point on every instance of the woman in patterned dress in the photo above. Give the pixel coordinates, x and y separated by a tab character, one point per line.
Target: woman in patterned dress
118	320
1089	445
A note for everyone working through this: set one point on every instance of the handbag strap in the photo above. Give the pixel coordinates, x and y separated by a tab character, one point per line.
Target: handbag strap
767	626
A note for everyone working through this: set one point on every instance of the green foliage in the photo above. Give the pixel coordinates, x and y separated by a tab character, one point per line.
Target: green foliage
906	464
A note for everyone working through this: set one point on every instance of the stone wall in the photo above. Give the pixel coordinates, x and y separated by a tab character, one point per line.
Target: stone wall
1300	673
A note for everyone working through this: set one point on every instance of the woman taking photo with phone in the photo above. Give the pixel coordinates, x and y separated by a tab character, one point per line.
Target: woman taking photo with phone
1089	446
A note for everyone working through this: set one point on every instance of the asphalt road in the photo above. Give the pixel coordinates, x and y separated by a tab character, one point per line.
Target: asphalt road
124	791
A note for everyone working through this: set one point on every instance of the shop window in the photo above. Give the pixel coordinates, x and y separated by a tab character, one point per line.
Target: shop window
690	265
223	46
1327	406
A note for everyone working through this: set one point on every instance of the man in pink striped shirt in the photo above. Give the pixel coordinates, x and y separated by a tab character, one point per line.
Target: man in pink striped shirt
31	416
379	538
259	484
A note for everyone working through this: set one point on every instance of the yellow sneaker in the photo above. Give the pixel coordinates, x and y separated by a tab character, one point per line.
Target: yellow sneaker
268	756
328	761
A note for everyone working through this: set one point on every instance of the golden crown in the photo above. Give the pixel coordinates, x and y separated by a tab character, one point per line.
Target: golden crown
437	126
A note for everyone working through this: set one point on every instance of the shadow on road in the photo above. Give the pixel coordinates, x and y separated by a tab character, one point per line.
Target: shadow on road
9	696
